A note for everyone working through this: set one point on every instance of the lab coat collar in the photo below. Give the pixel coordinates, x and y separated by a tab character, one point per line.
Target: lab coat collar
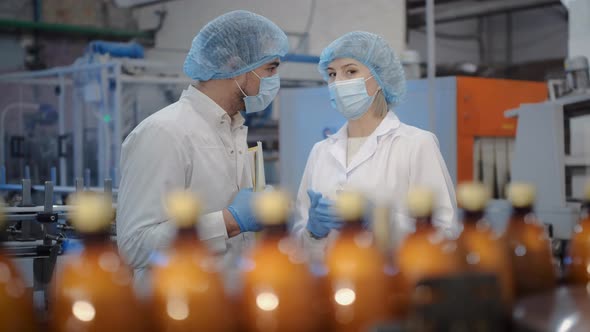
389	123
209	110
340	140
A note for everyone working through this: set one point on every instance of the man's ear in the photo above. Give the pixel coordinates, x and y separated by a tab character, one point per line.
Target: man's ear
241	79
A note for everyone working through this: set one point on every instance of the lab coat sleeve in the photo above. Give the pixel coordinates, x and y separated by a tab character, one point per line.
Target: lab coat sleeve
154	163
313	248
428	169
213	232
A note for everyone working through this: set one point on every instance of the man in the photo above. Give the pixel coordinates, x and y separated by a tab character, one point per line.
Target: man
199	142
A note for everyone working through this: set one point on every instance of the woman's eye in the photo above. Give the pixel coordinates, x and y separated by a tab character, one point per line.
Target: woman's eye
331	74
351	72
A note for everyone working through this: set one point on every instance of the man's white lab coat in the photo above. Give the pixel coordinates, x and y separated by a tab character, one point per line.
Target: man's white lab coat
192	144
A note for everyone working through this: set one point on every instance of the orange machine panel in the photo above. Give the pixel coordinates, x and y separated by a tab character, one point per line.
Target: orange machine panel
481	103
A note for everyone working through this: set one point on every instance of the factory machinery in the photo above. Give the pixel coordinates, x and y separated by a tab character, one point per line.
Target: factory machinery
476	280
37	235
73	119
69	268
75	277
85	109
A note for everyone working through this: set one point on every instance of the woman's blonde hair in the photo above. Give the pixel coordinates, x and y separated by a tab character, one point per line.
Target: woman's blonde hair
381	108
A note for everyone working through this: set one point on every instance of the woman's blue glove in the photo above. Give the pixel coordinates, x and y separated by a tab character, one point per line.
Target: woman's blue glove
241	210
322	217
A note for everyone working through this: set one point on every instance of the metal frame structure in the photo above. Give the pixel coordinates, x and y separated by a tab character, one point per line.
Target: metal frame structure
543	155
38	234
113	77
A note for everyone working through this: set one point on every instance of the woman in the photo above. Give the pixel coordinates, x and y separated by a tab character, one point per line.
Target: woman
373	152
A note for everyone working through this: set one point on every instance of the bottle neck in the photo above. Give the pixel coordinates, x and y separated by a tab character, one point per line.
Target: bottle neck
585	209
276	231
90	239
423	222
352	226
521	212
472	217
187	234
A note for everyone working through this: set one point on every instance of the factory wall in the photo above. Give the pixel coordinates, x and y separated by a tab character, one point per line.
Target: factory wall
331	18
531	41
55	50
12	55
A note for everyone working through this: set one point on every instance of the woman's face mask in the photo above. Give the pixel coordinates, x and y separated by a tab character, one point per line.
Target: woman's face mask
350	97
269	87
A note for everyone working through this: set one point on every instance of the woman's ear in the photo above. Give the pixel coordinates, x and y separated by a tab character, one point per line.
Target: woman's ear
372	86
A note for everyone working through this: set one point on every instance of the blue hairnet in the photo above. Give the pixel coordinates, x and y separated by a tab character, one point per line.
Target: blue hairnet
233	44
374	52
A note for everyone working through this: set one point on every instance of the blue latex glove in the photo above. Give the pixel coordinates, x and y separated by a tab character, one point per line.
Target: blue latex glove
322	217
241	210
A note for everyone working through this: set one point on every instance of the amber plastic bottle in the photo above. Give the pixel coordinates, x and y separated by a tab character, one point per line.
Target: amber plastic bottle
383	230
426	253
578	271
93	291
188	292
280	292
485	251
360	283
16	301
528	243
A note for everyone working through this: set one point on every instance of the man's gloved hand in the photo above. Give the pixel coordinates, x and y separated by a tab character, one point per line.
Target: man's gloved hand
322	217
241	210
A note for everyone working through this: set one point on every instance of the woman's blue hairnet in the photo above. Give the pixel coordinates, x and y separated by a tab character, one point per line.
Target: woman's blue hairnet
374	52
232	44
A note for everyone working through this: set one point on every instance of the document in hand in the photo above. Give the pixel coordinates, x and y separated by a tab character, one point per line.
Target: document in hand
256	159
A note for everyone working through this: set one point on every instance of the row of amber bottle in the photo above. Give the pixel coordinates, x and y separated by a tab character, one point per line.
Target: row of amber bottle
363	281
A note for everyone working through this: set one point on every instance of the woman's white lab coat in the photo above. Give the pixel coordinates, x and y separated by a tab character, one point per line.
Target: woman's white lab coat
394	158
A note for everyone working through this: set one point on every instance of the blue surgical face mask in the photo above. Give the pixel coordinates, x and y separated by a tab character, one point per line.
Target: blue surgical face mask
350	97
269	87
